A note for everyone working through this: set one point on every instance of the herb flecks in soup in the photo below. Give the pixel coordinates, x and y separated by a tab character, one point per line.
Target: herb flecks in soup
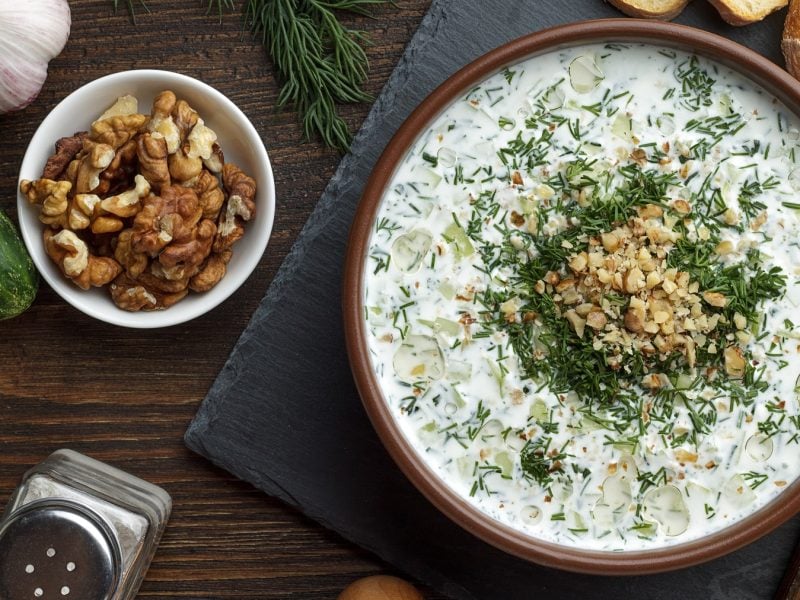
581	296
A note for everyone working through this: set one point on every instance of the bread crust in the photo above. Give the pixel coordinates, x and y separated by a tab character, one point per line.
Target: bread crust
790	41
734	13
650	9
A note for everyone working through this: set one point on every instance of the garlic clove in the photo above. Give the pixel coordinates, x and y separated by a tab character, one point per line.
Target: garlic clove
21	83
31	34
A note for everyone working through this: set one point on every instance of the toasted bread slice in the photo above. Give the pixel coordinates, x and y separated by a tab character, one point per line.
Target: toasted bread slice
790	42
650	9
744	12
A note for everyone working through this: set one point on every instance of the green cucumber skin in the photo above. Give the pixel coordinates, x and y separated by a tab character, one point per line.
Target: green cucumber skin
19	280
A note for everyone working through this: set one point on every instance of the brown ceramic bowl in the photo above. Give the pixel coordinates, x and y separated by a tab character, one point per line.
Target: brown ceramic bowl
750	64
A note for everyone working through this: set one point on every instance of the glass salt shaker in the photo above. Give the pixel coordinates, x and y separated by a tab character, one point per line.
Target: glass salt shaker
79	529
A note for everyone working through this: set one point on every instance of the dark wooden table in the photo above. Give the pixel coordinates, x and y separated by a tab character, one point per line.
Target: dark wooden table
126	396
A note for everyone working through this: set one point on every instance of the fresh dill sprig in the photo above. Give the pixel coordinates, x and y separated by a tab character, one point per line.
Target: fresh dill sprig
745	285
755	479
321	62
748	202
221	4
649	480
539	463
696	84
131	9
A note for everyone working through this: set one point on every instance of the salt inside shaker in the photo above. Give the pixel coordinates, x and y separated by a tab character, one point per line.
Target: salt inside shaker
77	528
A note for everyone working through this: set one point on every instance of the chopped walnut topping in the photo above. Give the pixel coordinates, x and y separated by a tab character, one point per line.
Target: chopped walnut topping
658	310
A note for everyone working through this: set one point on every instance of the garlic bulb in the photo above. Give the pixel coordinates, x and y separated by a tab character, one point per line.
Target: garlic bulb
32	32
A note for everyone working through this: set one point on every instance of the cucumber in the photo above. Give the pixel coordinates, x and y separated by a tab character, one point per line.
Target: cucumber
19	280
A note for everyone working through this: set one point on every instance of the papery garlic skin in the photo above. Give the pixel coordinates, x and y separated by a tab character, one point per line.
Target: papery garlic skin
32	32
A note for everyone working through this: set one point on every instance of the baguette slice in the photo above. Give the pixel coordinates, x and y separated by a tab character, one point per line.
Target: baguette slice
790	42
744	12
650	9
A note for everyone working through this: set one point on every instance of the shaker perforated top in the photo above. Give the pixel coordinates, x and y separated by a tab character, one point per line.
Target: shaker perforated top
57	550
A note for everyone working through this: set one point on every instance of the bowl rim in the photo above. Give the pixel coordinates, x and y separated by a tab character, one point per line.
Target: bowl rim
162	318
722	50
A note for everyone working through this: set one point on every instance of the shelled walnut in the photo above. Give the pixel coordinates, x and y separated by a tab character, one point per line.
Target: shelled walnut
143	204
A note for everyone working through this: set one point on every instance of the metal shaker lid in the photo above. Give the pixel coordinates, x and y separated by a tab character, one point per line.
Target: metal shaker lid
56	549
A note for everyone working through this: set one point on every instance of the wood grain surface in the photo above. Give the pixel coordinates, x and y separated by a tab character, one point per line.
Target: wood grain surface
126	396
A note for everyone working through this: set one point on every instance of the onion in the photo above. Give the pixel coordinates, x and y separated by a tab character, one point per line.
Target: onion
32	32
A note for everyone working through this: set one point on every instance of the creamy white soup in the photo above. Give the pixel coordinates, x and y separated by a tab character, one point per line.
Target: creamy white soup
581	296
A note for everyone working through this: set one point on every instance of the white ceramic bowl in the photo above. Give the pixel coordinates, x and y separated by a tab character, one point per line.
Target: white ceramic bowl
240	142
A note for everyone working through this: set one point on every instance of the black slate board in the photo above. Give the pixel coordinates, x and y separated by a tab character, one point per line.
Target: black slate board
284	414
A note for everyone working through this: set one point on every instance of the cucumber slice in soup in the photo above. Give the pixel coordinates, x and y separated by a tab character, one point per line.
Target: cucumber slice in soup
738	492
665	506
584	74
458	238
759	447
409	249
418	358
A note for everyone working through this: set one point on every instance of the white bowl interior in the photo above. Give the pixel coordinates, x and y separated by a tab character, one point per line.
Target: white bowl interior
240	143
